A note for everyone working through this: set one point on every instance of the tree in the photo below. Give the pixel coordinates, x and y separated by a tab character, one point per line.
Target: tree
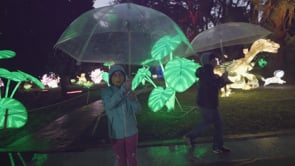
279	17
32	27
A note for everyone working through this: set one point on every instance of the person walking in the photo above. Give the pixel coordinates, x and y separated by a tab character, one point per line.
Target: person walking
121	104
207	99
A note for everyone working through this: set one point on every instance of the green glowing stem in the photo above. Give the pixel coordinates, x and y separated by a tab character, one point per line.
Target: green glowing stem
7	88
21	159
15	88
11	159
180	106
5	119
162	68
151	81
171	56
0	93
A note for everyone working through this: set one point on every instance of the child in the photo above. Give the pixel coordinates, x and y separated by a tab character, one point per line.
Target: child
121	104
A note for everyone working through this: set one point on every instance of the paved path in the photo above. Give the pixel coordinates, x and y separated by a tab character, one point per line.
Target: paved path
262	149
266	150
59	134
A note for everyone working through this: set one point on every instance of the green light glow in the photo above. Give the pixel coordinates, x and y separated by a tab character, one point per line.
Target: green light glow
108	64
200	152
5	54
142	75
171	102
105	77
14	111
159	97
180	74
165	46
262	62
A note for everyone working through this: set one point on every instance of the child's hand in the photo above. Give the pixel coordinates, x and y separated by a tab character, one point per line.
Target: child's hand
132	95
128	84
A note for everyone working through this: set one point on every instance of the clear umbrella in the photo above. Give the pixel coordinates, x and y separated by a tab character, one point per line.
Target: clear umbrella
124	34
228	34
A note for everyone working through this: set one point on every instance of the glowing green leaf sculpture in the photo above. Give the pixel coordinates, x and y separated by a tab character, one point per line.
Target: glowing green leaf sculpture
105	77
33	79
108	64
4	73
142	75
164	47
5	54
159	97
180	74
171	103
13	113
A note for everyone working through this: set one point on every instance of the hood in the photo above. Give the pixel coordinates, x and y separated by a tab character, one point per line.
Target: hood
206	57
115	68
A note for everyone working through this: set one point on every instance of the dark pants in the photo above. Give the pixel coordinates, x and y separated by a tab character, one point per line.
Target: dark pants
125	150
210	116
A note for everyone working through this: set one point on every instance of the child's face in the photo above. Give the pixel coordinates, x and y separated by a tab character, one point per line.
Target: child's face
118	78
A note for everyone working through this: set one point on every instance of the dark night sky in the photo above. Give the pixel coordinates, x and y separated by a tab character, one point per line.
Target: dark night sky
31	28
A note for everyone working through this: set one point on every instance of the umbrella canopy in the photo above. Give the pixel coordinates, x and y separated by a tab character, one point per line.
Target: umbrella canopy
124	34
228	34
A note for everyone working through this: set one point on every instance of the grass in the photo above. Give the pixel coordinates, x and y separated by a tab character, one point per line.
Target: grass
244	112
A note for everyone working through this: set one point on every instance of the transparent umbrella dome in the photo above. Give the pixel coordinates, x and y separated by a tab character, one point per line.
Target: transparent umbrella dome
228	34
123	33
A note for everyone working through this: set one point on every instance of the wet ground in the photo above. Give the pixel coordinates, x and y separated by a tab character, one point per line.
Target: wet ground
67	142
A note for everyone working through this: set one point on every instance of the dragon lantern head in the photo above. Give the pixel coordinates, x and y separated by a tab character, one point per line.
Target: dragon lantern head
265	45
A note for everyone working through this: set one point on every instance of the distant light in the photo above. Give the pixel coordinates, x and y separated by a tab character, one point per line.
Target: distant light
74	92
101	3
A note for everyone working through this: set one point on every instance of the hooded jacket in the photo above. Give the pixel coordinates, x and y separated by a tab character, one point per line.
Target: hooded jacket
208	87
120	110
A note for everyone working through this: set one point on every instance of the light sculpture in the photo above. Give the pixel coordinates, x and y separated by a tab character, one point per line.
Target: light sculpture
96	76
13	113
51	80
178	74
276	79
239	69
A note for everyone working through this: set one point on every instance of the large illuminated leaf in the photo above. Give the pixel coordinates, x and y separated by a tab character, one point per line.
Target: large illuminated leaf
4	73
105	77
108	64
165	46
17	114
140	76
14	76
171	103
32	78
5	54
180	74
159	97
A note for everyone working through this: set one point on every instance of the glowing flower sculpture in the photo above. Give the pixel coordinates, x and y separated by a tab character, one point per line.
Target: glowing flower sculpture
96	76
179	73
51	80
13	113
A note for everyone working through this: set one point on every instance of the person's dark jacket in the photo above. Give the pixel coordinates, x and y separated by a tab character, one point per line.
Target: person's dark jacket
208	87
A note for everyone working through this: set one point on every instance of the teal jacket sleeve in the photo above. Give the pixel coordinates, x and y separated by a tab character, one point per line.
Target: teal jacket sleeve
113	97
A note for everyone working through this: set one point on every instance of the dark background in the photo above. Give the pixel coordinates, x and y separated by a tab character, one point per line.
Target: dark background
31	28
